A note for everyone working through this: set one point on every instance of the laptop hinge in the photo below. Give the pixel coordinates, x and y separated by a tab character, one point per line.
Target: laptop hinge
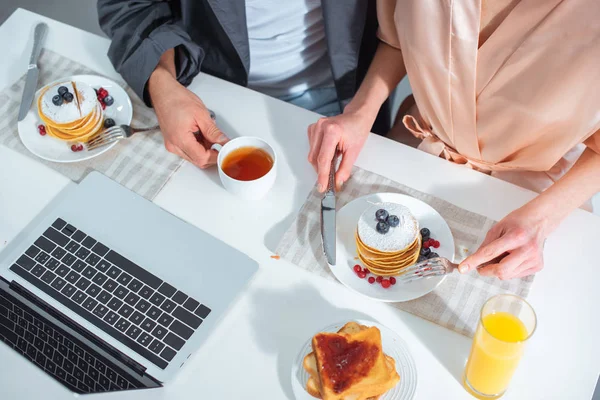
135	366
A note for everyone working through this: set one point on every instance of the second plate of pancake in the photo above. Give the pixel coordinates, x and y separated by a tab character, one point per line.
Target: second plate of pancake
55	146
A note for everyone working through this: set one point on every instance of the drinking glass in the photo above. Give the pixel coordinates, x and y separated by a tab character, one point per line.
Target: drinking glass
505	325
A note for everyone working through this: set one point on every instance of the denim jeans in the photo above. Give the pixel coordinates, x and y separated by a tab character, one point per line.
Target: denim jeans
323	101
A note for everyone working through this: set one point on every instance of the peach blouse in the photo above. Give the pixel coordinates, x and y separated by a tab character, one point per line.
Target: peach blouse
522	101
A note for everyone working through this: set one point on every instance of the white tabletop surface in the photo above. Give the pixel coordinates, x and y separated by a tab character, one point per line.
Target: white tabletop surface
250	353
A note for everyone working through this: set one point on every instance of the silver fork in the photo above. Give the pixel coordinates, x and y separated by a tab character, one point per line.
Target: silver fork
116	133
119	132
437	266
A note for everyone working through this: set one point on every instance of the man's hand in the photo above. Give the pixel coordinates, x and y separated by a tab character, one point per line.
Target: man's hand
180	113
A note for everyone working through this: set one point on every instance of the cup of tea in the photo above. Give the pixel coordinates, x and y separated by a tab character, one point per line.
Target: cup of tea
247	167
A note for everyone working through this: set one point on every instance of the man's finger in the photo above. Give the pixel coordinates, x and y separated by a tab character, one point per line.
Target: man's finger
198	155
504	244
345	169
326	154
211	131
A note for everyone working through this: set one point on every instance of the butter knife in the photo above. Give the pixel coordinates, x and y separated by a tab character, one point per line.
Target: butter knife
32	70
328	216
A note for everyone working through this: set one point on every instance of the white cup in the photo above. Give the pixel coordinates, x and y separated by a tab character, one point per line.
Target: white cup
250	190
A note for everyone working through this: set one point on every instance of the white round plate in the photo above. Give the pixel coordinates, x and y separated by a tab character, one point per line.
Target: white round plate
392	345
52	149
347	218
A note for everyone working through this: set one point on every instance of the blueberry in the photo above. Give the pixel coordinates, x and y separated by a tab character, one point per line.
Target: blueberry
108	100
57	100
68	97
381	215
383	227
425	251
424	238
433	255
425	232
108	122
62	90
393	221
422	258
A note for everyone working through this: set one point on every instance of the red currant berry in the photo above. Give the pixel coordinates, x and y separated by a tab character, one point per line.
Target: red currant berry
371	280
357	268
393	280
362	275
385	283
379	279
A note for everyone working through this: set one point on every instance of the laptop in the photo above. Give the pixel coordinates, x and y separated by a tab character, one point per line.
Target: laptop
105	291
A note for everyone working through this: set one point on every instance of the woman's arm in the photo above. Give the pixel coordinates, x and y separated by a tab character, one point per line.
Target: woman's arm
522	233
384	74
349	131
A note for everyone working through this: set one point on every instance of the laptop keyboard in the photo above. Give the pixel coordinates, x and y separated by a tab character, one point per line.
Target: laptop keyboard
78	369
149	316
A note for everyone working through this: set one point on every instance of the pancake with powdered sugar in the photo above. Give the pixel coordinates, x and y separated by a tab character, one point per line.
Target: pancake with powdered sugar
397	238
84	102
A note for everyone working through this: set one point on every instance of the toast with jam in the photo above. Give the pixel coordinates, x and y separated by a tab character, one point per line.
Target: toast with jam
349	365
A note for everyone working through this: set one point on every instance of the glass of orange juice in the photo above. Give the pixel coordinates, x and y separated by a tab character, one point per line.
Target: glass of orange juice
505	325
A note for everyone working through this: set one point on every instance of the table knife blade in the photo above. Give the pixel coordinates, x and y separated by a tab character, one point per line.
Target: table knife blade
328	230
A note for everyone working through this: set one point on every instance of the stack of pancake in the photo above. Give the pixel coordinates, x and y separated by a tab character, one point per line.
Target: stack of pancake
70	111
387	254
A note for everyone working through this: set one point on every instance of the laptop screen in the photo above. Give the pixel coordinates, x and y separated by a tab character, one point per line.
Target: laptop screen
62	350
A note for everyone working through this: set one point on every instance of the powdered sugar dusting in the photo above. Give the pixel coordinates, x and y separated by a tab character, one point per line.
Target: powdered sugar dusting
82	104
397	238
66	112
87	98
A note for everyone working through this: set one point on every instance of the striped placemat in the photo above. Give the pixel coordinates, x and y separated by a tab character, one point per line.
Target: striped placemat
140	163
456	303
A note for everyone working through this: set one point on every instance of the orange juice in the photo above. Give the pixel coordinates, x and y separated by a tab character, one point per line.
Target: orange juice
496	351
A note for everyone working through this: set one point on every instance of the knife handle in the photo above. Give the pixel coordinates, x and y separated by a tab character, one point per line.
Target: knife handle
38	38
331	183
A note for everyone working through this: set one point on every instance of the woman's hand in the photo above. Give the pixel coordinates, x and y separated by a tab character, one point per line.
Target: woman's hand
521	236
345	133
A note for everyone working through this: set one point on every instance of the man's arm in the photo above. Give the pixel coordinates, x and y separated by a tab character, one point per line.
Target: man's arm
141	32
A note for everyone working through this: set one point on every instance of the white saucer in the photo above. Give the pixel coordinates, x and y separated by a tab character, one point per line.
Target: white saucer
347	218
392	345
55	150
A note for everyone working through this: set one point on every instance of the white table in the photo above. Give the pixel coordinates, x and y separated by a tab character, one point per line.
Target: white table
250	353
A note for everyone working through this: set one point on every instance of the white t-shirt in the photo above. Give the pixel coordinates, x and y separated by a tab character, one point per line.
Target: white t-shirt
288	51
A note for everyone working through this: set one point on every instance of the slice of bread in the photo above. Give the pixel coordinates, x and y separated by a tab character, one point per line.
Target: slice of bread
361	372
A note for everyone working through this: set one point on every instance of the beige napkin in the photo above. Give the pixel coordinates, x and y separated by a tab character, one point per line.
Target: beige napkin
455	304
140	163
